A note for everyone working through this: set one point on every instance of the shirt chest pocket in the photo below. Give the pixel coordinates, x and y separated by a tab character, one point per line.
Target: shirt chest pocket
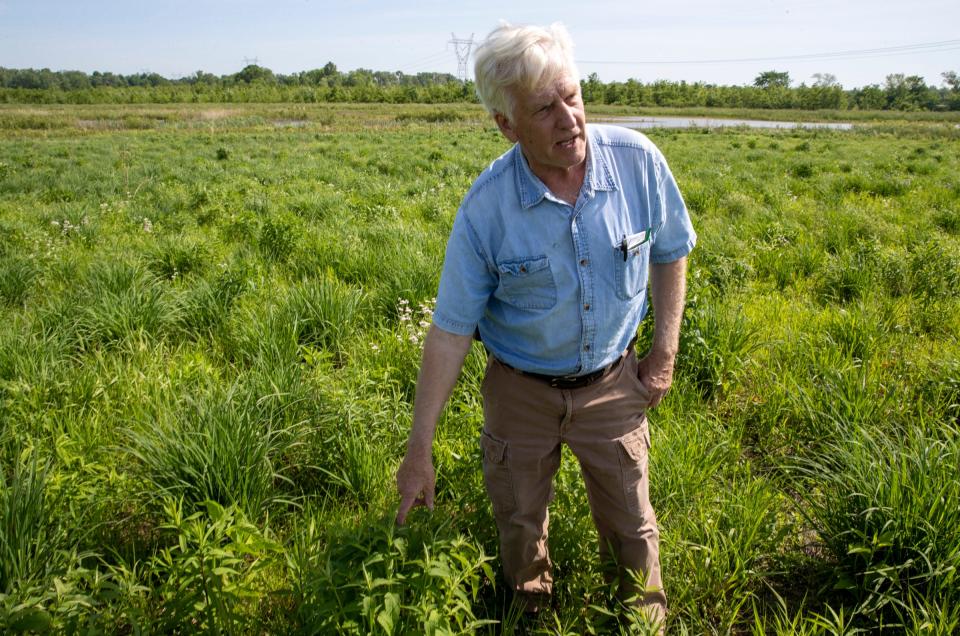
631	264
527	283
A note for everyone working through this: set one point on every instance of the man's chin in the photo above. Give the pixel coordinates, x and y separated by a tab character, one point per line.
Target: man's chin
573	155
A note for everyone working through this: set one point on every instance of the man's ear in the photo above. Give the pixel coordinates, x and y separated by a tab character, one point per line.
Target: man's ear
506	127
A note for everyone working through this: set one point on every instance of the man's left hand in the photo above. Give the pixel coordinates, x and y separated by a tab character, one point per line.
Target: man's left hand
655	371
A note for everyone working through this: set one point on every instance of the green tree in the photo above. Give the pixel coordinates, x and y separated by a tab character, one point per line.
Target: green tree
772	79
592	88
253	73
908	93
952	94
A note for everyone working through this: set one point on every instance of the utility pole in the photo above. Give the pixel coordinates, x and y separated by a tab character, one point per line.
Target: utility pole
462	48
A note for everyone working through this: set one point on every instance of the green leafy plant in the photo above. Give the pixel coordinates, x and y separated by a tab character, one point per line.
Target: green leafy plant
387	582
213	570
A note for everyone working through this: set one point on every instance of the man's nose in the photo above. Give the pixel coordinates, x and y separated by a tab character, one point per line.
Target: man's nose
565	116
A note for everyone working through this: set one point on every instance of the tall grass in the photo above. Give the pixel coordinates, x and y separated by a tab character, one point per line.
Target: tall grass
215	447
31	535
119	302
883	503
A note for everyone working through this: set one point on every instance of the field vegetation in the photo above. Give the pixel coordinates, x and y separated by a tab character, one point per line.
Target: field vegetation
256	84
210	329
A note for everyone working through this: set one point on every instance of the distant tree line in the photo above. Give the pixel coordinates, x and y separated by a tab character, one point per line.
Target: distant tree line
771	89
252	84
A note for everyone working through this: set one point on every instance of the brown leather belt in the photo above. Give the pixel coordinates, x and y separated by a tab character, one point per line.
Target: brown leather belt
574	381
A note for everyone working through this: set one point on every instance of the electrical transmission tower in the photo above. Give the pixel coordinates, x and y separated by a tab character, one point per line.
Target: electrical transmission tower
462	48
247	61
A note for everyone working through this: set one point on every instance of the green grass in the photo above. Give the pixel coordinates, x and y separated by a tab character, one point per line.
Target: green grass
210	329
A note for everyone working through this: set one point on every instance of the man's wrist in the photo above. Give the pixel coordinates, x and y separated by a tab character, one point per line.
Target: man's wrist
418	449
662	353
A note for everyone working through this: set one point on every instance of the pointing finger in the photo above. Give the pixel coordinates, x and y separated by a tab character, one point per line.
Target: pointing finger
405	504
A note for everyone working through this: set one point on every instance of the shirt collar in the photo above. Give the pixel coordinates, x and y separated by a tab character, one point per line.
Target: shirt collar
532	190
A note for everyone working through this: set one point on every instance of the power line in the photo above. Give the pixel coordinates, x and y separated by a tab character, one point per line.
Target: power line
462	48
425	62
925	47
426	58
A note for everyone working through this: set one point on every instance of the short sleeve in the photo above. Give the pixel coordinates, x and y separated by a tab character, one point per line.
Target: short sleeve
466	281
675	238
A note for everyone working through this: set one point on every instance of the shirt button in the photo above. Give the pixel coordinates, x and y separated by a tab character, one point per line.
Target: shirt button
583	262
586	307
586	347
523	268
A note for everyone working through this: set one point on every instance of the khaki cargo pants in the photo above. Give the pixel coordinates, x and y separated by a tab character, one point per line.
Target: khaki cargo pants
605	426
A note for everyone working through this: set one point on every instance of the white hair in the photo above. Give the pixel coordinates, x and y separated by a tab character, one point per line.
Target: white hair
521	57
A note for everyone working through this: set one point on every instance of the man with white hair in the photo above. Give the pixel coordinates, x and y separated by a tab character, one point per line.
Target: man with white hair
548	264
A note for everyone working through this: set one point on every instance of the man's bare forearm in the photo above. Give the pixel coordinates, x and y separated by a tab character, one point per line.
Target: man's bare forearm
668	288
443	356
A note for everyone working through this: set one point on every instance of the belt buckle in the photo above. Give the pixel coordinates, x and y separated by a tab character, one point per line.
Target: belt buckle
563	381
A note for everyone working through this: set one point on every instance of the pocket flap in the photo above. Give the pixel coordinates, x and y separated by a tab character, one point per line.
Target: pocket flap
494	449
524	266
635	444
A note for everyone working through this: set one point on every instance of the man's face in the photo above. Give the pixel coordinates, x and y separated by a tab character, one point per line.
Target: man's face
550	126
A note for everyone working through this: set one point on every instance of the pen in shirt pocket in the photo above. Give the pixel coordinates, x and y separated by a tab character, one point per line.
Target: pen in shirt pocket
633	241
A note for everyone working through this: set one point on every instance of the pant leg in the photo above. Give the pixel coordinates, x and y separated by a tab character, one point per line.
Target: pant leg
521	455
608	433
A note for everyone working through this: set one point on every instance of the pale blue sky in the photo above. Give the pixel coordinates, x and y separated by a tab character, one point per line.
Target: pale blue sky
617	40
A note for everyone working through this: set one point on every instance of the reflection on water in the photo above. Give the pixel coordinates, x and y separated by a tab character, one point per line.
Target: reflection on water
706	122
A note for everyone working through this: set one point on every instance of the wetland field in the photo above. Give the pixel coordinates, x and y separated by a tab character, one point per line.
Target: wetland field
210	328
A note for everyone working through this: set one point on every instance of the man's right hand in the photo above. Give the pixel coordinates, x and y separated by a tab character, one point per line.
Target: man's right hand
443	354
416	481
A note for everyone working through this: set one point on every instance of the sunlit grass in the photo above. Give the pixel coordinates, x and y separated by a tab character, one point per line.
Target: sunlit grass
197	305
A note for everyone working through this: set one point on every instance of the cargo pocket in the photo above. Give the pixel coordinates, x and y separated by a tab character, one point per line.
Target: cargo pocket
496	474
634	448
631	262
528	283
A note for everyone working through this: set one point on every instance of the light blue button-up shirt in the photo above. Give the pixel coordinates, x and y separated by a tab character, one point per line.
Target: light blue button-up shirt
554	288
